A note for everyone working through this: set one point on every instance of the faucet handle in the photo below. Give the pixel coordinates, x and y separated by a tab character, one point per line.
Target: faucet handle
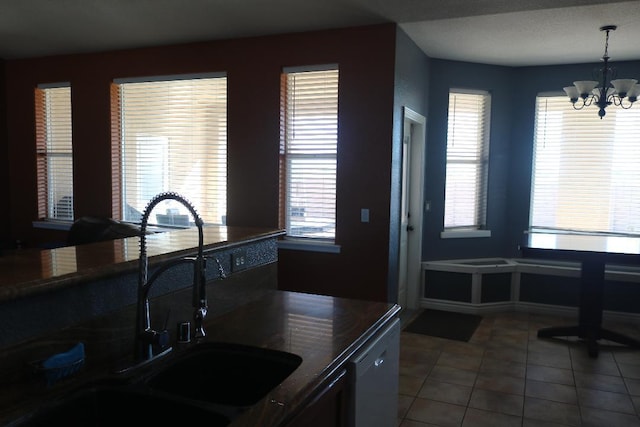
159	340
198	317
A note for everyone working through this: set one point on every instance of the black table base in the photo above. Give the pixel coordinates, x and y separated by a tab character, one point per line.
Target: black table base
593	252
589	335
590	319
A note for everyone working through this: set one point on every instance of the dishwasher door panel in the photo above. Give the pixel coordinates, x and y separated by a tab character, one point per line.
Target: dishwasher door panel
374	374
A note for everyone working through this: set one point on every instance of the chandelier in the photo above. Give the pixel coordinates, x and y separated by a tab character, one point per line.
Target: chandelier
605	91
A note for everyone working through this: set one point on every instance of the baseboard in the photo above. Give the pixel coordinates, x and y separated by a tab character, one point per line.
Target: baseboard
523	307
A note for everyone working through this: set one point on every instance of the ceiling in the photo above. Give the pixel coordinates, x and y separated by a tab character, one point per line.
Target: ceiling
502	32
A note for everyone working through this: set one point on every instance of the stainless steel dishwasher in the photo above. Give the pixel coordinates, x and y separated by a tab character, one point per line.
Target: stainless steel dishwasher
374	375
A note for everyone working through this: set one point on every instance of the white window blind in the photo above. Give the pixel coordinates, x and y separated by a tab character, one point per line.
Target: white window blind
586	176
174	138
54	152
467	160
308	152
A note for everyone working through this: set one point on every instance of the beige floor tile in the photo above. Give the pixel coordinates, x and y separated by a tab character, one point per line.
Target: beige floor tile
559	359
633	386
607	400
542	345
460	361
445	392
593	417
420	340
439	413
416	354
546	410
409	386
505	375
503	367
629	370
479	418
411	423
466	348
600	382
636	403
549	374
604	365
500	383
415	369
497	351
404	402
494	401
526	422
551	391
452	375
628	356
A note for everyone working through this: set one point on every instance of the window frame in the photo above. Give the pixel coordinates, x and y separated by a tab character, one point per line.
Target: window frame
596	136
48	175
286	155
204	202
481	162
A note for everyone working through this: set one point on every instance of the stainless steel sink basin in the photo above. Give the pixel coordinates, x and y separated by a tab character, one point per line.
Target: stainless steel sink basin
225	374
109	406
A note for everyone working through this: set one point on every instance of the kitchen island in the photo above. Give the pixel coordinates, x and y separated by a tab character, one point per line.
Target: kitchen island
326	332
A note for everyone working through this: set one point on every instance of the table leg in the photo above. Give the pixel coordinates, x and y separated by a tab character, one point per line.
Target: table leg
589	326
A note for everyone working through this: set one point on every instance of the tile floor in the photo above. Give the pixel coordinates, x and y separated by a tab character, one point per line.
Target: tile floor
506	376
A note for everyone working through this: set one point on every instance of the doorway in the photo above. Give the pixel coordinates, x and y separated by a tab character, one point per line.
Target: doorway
410	253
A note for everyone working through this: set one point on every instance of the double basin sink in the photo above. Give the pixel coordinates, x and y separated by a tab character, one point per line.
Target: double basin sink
212	382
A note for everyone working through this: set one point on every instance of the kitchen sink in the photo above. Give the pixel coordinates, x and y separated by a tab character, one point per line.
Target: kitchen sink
109	406
212	382
224	373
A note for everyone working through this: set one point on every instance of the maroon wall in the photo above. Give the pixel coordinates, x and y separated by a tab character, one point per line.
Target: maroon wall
366	59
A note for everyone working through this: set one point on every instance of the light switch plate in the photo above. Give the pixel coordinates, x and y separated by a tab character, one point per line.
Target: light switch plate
364	215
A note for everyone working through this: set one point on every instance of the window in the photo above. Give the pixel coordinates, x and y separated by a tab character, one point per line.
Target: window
467	160
585	170
308	152
171	136
54	152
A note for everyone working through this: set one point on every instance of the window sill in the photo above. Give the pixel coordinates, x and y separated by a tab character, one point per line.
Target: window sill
53	225
301	245
465	234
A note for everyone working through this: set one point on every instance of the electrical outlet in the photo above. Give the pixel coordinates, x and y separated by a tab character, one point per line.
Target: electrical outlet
238	261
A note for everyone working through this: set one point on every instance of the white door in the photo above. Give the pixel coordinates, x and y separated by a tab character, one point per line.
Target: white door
410	251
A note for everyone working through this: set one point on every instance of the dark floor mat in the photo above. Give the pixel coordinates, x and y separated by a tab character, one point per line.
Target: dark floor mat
445	324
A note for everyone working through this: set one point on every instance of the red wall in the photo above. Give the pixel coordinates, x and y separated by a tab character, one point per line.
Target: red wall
366	59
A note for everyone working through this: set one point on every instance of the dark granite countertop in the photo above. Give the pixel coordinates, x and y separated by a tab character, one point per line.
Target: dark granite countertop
324	331
28	272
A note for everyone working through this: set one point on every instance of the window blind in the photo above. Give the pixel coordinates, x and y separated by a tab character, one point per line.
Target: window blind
585	170
467	160
309	148
173	137
54	153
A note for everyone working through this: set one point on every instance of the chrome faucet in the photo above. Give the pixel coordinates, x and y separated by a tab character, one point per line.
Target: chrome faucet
146	337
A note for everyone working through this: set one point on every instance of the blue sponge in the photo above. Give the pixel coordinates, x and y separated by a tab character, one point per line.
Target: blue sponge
62	365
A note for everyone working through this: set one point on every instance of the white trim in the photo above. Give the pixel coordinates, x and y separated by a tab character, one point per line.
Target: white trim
451	234
416	203
523	307
465	307
299	245
476	267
